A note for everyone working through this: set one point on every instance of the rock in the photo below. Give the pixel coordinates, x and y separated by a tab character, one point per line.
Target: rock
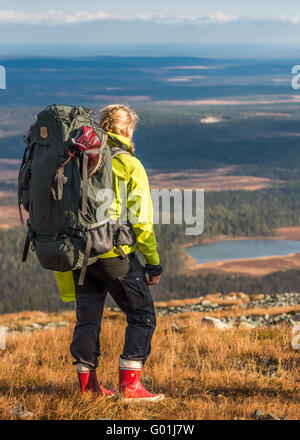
20	411
214	322
175	327
257	297
257	414
62	324
242	295
272	416
4	329
206	302
26	328
35	326
52	325
247	324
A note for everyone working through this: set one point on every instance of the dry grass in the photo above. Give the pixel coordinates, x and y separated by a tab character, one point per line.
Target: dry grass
205	373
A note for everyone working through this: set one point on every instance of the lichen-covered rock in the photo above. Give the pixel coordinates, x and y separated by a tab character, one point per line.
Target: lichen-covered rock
214	322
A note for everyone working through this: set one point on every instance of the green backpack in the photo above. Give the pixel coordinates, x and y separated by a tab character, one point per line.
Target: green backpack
61	193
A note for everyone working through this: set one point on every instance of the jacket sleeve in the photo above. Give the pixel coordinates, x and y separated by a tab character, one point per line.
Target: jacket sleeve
140	214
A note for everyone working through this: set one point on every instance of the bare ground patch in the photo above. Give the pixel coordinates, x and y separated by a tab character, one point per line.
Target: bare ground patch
9	217
215	180
9	169
249	266
283	115
254	100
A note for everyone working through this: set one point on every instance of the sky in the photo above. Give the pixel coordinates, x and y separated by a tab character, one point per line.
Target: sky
156	22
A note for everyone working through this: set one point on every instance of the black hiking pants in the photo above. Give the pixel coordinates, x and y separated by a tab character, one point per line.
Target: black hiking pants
126	281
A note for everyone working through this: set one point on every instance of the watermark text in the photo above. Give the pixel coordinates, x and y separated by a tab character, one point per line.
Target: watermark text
2	77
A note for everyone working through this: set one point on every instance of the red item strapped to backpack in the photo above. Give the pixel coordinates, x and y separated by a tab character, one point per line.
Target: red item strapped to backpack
86	140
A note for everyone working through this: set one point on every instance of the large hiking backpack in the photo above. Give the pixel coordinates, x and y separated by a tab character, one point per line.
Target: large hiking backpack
67	161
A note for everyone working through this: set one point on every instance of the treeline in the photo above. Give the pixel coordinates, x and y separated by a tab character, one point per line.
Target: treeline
25	286
29	287
183	286
235	213
251	213
171	138
245	213
240	213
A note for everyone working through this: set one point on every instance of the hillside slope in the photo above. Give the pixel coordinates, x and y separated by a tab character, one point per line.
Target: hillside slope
204	372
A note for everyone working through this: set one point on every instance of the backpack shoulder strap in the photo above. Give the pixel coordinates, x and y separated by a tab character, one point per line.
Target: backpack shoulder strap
117	147
116	150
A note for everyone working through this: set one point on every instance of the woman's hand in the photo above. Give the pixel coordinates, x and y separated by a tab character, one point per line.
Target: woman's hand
154	272
153	281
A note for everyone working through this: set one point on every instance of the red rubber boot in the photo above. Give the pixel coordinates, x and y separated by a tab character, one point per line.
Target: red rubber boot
88	382
130	386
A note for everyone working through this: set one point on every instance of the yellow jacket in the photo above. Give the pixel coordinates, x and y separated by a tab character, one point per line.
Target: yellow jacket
128	170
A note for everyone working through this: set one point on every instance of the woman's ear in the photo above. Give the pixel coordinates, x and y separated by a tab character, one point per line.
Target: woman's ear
129	132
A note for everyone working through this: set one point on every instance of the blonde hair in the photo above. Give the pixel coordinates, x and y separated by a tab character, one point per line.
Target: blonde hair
117	118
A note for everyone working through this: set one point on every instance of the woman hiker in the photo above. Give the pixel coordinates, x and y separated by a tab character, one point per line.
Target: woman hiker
123	278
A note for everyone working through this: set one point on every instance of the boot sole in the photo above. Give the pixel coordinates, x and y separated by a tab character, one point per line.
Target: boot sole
143	399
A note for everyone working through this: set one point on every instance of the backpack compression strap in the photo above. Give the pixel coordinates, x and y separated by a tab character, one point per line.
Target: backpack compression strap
85	259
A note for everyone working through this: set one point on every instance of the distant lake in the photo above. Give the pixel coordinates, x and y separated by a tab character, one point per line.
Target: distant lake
236	249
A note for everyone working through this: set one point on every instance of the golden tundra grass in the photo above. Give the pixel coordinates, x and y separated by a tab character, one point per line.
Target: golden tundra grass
205	373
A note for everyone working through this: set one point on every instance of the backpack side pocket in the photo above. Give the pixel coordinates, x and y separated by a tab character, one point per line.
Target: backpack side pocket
60	254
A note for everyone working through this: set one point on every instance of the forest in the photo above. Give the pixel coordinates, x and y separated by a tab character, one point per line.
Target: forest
248	213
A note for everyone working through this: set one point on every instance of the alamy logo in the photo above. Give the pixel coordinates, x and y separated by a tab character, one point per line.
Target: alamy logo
2	338
168	206
2	77
296	338
296	78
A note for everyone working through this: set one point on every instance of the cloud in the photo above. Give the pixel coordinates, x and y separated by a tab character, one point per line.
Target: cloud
294	20
56	18
49	17
217	17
